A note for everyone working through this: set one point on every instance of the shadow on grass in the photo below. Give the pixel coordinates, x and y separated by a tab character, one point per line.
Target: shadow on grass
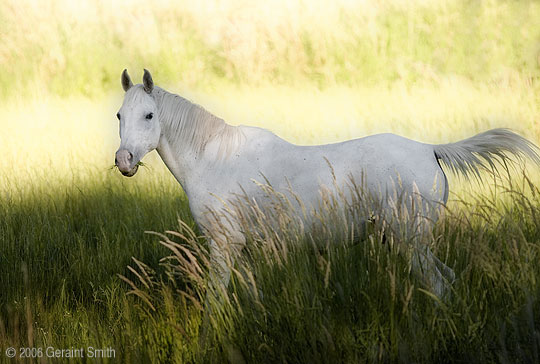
63	245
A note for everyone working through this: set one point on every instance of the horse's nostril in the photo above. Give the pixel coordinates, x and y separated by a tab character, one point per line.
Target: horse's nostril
130	156
115	161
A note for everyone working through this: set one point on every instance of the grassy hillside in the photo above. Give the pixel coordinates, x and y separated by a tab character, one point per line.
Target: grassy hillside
312	72
67	48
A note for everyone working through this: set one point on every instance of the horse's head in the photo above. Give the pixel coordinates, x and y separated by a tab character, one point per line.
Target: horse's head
139	124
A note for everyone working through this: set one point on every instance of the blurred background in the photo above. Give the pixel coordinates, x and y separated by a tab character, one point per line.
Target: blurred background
311	71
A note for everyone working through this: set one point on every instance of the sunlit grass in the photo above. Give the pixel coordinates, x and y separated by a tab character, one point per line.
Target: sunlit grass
78	48
56	137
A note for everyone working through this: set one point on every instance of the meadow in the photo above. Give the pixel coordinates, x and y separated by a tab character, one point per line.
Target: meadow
77	268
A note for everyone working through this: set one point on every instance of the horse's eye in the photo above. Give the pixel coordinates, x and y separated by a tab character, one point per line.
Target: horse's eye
149	116
118	115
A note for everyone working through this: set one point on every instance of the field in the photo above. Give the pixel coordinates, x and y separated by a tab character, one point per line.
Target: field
72	229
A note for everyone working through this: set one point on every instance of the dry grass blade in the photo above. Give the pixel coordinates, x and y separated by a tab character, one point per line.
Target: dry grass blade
192	299
192	259
137	292
144	269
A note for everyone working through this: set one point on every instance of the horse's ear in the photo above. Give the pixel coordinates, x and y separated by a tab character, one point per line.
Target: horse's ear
126	81
148	83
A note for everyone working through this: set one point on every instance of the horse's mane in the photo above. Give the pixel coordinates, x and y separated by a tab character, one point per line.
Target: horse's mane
191	126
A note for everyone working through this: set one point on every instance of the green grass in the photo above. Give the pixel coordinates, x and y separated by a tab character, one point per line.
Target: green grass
62	250
331	297
339	43
334	299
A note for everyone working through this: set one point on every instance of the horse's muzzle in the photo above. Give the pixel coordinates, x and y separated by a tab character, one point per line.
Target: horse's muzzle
124	162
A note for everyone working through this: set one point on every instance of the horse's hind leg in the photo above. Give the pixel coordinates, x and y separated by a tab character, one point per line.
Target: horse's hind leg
446	271
435	273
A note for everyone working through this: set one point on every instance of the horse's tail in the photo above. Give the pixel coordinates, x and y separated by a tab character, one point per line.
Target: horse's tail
470	155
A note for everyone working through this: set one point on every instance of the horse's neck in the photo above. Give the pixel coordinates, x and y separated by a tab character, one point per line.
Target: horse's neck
179	165
182	157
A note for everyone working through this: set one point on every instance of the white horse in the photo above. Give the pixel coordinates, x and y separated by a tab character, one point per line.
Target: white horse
214	161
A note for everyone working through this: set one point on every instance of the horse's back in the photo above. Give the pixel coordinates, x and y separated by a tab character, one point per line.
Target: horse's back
380	163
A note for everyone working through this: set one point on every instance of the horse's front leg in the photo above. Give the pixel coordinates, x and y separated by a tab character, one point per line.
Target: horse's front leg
218	280
220	265
221	259
224	249
219	277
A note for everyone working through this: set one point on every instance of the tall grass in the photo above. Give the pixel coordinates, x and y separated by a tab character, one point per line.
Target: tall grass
306	297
